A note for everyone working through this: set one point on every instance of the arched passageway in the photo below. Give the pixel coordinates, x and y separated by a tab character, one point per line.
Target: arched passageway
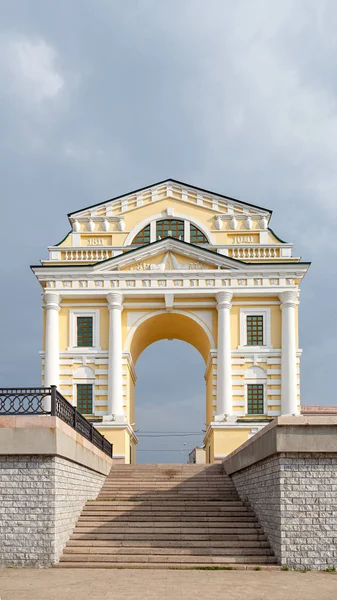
170	399
170	352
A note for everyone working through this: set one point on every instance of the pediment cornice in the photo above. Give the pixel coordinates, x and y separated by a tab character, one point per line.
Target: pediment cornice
162	257
194	255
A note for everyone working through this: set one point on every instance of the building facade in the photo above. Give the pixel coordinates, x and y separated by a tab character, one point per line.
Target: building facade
173	261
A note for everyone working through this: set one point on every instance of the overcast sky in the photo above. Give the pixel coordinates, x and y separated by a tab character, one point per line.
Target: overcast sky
100	97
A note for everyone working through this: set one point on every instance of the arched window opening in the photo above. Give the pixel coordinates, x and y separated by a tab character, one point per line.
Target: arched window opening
196	236
170	228
143	237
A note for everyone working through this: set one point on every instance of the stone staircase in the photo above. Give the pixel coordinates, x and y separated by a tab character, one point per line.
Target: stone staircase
167	516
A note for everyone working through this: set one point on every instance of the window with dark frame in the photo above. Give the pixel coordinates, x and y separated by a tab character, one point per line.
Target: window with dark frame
143	237
84	398
84	331
170	228
255	332
255	399
196	236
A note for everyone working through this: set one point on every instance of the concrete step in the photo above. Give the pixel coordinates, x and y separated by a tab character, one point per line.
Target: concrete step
149	522
167	516
137	551
139	514
171	537
201	485
189	520
176	503
156	528
183	508
261	565
172	559
171	545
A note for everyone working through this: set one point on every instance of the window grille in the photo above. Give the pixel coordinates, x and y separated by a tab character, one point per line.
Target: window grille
84	398
170	227
255	330
143	237
255	399
196	236
84	331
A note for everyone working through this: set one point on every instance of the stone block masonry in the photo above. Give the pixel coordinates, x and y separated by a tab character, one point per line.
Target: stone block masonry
294	497
41	498
48	471
293	493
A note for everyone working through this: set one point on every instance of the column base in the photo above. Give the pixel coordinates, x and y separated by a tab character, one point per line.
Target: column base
121	419
121	436
222	418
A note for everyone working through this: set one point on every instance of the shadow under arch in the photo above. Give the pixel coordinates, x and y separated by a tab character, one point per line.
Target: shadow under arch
170	325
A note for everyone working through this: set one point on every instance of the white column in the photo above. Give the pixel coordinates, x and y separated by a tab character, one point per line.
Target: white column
289	365
224	361
115	387
51	357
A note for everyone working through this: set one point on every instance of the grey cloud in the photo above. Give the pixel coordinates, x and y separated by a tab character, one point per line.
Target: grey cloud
235	97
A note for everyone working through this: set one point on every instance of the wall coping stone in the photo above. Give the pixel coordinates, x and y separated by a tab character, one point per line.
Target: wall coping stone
50	436
301	434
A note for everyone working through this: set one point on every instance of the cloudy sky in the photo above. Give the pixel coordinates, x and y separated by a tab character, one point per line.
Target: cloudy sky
99	97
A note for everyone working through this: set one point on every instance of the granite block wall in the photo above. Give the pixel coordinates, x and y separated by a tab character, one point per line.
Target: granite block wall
41	498
295	498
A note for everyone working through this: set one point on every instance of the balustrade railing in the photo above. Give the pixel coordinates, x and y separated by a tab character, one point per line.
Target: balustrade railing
49	401
254	252
85	255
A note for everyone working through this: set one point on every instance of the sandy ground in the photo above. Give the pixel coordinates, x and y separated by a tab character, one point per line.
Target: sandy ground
73	584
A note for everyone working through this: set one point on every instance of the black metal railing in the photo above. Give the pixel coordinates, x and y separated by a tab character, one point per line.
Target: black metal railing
49	401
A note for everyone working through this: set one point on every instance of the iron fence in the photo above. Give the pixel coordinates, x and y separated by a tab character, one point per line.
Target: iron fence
49	401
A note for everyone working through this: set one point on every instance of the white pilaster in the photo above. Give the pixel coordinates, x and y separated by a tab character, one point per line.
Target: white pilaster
51	359
224	361
289	365
115	388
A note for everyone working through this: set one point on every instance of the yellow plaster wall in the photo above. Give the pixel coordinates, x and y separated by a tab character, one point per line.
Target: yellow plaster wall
227	440
209	448
64	324
64	329
120	439
209	396
276	326
203	214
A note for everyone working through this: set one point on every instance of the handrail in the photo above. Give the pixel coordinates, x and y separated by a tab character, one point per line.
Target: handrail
36	401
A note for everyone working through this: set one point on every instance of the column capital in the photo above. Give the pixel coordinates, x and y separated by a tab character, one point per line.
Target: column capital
52	301
115	300
289	299
224	300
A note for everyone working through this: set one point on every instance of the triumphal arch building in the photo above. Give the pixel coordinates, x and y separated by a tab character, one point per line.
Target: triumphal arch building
173	261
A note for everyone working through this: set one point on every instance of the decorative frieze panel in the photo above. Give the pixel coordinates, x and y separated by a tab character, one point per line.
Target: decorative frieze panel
212	281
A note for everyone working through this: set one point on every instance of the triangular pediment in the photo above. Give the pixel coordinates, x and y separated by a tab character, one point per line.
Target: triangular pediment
168	254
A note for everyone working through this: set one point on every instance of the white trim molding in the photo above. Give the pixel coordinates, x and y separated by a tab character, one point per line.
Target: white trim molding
161	216
265	313
256	375
73	314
